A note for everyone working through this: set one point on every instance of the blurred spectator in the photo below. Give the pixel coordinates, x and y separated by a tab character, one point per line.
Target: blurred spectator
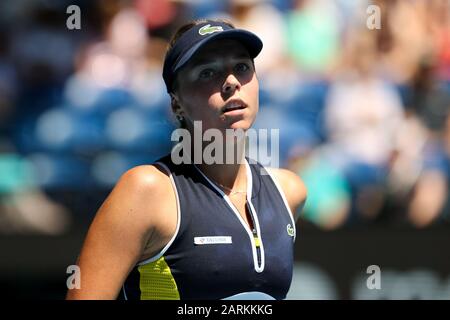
8	86
262	18
430	97
329	194
402	48
406	162
313	31
430	103
362	116
24	208
430	194
439	26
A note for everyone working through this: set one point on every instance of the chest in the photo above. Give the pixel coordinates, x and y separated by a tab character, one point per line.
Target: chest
240	203
217	243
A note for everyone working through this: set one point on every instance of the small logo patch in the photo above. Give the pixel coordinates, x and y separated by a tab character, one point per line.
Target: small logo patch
212	240
208	29
290	230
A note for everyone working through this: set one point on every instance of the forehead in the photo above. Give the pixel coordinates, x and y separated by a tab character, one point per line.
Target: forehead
217	50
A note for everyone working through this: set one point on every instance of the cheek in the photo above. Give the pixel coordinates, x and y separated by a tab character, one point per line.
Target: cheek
253	92
197	102
256	90
215	101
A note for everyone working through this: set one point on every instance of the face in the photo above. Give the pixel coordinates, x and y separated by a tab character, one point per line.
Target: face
218	87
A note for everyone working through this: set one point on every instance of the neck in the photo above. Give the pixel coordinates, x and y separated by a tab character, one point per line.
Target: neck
232	173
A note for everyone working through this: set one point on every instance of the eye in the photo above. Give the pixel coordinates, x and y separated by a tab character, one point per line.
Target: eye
206	74
242	67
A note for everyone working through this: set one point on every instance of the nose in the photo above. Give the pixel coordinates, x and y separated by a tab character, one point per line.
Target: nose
231	84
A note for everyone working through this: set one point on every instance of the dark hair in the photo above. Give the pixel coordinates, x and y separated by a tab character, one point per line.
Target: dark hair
180	31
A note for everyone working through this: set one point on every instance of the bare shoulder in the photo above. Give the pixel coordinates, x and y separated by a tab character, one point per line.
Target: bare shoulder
143	179
292	186
141	206
143	191
138	184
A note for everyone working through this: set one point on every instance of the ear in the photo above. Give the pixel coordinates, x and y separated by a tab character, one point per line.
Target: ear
175	105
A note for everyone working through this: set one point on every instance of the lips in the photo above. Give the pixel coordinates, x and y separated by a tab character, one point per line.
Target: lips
235	104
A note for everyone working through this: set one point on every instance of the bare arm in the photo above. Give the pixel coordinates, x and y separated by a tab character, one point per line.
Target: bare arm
293	188
119	233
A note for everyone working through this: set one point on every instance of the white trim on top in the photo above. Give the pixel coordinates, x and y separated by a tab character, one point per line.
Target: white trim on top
236	212
124	292
284	200
250	295
253	213
167	246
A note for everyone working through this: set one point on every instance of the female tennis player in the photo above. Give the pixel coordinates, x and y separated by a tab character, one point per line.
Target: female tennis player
198	231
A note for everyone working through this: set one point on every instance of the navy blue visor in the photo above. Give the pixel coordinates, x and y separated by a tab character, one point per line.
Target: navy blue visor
197	37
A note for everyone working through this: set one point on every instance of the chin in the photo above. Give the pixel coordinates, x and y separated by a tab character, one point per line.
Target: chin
243	125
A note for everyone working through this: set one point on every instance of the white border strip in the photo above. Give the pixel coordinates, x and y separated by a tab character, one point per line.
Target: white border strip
284	200
250	295
124	292
160	254
253	213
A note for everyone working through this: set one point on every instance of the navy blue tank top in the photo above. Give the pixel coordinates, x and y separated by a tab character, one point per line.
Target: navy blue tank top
214	254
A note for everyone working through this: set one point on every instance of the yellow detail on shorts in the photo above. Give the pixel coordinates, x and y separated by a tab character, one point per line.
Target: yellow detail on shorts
156	281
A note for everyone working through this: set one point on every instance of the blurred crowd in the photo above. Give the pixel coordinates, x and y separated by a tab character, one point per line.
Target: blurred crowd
362	110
